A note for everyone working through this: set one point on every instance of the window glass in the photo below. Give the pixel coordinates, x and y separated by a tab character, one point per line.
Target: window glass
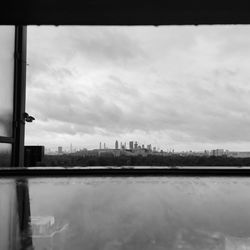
139	95
149	213
9	226
5	154
7	38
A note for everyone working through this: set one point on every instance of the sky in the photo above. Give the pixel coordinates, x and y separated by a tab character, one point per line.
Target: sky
175	87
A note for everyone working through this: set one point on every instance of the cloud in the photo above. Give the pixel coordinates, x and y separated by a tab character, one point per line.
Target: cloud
108	45
186	84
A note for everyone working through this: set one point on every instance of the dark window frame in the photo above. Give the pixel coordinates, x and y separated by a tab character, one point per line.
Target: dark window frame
125	12
109	12
19	95
17	138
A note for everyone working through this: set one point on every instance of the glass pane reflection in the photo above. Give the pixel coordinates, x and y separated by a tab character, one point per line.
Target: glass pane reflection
9	226
7	38
5	154
15	230
148	213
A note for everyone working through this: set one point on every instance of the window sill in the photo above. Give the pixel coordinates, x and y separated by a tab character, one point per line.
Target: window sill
126	171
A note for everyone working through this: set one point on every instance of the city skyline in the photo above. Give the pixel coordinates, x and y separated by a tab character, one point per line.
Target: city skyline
136	149
132	146
181	87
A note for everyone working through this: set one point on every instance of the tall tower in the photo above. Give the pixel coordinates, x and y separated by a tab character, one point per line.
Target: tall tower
136	145
131	145
116	144
100	146
60	150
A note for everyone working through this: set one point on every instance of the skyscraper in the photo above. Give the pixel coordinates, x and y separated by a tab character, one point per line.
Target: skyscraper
59	150
116	144
136	145
131	145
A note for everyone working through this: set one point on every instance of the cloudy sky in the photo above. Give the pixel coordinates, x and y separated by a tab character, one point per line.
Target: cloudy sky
181	87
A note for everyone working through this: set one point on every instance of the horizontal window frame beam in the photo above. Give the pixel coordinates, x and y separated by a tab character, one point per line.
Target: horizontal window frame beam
128	13
125	171
5	139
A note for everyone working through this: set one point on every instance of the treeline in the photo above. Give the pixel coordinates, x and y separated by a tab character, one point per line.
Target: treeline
150	160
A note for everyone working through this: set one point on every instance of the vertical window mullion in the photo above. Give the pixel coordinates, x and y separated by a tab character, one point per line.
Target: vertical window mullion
19	95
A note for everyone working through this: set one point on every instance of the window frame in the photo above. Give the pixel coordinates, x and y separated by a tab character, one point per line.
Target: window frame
131	13
17	138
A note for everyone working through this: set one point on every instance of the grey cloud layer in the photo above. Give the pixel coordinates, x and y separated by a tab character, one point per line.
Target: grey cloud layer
190	82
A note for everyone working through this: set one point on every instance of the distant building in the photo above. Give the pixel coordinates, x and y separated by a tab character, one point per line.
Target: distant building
206	153
60	150
108	152
140	151
238	154
149	147
116	145
123	146
217	152
136	145
131	145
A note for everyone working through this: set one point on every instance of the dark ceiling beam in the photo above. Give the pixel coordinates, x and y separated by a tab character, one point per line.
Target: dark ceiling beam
115	12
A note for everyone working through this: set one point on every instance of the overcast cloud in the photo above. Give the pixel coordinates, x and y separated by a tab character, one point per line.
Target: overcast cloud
181	87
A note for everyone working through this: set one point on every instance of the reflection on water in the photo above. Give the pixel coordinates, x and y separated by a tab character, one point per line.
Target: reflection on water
148	213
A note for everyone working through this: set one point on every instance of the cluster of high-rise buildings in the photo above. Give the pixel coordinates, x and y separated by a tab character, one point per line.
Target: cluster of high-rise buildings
133	148
130	146
122	148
